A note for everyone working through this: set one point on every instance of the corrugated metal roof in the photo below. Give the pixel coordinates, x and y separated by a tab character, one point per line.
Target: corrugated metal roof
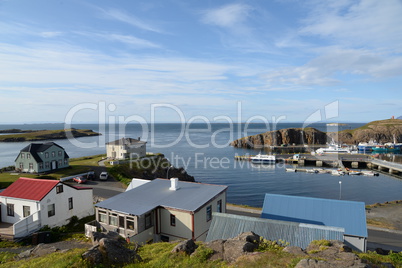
190	197
350	215
30	189
225	226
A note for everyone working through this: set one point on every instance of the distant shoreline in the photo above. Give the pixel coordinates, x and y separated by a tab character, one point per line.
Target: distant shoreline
18	135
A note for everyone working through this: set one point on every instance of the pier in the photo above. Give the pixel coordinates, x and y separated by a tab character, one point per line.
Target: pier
340	161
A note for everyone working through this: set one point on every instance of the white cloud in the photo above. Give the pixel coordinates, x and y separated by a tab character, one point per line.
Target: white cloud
227	16
119	15
50	34
369	23
129	40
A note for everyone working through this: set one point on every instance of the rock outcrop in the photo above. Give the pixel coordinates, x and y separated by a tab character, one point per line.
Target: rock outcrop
110	249
381	131
295	136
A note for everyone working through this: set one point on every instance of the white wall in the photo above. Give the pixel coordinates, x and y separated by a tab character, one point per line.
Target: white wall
356	242
18	208
82	205
201	223
183	227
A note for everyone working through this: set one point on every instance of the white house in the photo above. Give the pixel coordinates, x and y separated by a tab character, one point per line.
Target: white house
29	204
126	148
161	210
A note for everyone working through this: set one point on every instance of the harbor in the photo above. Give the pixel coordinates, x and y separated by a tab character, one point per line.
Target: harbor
347	164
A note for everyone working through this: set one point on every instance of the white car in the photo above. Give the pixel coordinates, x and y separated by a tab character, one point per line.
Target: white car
103	176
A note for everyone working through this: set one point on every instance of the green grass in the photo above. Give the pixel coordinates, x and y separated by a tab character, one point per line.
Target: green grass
71	259
77	166
374	258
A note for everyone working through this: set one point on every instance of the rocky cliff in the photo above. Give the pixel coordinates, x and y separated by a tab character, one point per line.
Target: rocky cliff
283	136
381	131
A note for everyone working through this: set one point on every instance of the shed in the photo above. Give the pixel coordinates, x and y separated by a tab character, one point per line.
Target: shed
350	215
225	226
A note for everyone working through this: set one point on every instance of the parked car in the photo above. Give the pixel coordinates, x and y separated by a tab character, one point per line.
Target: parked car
103	176
91	175
80	179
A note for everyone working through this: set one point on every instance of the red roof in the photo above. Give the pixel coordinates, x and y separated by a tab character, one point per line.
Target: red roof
30	189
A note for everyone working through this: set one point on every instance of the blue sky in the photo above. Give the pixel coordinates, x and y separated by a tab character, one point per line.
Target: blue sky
170	60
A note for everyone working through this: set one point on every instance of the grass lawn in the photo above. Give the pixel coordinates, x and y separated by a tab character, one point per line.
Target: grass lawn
77	166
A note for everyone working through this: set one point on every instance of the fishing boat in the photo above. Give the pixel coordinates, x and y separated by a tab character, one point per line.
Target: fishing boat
333	149
370	173
263	159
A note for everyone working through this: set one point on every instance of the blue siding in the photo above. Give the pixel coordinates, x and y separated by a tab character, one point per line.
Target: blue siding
350	215
225	226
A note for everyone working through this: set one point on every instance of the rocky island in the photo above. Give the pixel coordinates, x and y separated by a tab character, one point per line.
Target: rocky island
382	131
18	135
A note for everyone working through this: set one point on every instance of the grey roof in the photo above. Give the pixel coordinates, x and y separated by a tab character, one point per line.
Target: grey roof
189	197
350	215
35	148
225	226
126	141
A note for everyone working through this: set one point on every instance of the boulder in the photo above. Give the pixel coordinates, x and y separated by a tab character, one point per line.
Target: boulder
294	250
187	246
110	250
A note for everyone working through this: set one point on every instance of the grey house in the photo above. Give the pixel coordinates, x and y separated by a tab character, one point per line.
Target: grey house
41	157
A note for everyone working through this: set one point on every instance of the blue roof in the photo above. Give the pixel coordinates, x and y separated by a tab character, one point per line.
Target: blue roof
225	226
350	215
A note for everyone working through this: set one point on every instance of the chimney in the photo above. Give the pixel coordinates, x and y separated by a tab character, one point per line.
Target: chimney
174	184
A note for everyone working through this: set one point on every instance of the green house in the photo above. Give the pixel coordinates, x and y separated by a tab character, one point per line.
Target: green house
41	157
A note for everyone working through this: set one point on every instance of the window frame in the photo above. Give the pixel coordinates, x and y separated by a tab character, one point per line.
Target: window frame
51	210
26	209
10	209
59	188
219	206
172	220
209	213
70	203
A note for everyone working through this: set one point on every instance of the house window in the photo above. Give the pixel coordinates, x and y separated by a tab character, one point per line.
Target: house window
130	223
22	155
209	213
121	221
21	165
219	206
172	220
59	188
113	219
26	211
28	156
46	155
40	165
30	166
51	210
53	154
70	203
60	162
60	153
47	164
10	210
102	216
65	161
148	220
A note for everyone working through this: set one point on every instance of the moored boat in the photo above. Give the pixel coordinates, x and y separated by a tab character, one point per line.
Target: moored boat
263	159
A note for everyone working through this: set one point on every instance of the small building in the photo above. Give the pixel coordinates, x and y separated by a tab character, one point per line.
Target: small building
350	215
29	204
41	157
161	210
125	148
226	226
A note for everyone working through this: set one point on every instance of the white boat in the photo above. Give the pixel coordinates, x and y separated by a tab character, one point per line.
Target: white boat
337	173
263	159
311	171
333	148
353	172
369	173
291	170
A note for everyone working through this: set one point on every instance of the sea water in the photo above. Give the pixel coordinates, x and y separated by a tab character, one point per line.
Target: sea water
204	151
